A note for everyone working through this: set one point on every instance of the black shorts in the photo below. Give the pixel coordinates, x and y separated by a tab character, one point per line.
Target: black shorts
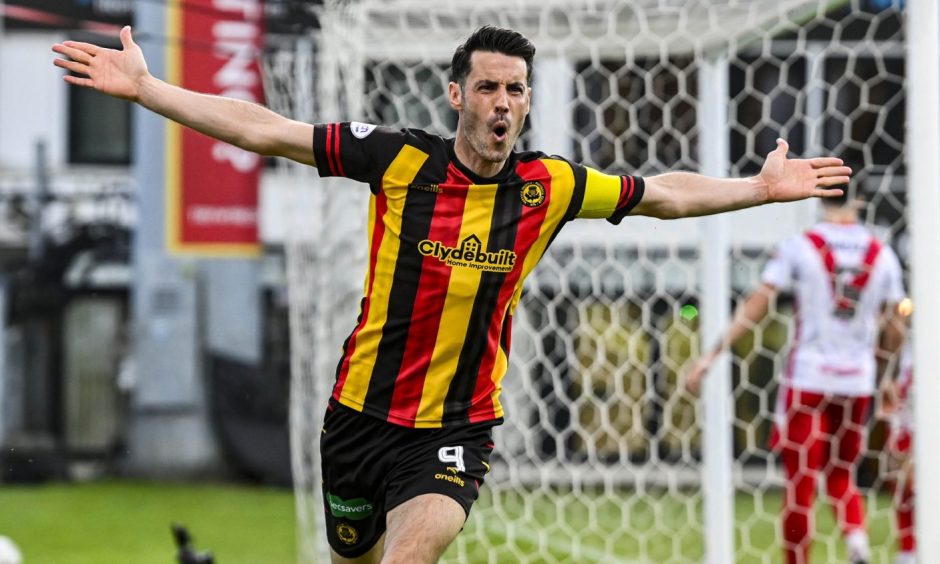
371	466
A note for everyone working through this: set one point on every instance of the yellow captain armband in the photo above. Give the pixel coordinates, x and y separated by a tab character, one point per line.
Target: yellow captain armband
601	194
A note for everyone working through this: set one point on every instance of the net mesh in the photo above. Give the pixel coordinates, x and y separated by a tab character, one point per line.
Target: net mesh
600	457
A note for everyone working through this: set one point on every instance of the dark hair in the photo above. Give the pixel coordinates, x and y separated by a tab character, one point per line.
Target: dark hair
839	201
851	192
494	40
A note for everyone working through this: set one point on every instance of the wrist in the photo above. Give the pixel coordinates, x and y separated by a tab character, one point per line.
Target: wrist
716	350
147	89
761	189
709	357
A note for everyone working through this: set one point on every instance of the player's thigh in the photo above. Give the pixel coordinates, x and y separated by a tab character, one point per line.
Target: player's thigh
803	445
357	453
450	461
433	486
803	421
419	530
849	433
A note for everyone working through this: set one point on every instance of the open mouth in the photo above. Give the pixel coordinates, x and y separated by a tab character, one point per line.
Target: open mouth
500	131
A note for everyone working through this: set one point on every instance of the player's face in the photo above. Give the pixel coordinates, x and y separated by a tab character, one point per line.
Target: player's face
492	106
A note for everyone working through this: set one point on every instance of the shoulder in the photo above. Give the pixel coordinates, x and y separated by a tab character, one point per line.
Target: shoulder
794	250
370	133
885	250
417	138
388	143
421	138
799	242
529	156
889	256
555	165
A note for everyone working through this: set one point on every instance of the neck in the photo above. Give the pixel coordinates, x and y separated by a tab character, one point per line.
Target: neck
843	216
471	159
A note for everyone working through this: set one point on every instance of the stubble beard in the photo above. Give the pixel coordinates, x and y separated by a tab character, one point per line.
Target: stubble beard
478	132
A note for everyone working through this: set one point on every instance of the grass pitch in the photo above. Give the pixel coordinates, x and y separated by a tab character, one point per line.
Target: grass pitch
124	522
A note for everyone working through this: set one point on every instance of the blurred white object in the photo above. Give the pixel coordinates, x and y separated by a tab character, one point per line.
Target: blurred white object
9	552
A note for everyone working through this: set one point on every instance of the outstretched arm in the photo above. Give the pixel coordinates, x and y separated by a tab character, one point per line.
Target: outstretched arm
685	194
748	315
124	74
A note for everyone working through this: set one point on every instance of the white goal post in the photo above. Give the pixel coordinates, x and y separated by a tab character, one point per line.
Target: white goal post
603	457
924	140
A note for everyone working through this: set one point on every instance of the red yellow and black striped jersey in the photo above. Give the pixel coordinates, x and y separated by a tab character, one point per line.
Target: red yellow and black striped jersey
448	253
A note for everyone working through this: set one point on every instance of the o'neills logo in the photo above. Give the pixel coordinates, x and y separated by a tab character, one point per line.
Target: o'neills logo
448	478
469	254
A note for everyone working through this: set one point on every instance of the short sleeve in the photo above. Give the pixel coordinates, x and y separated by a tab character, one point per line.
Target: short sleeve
359	151
779	270
607	196
894	283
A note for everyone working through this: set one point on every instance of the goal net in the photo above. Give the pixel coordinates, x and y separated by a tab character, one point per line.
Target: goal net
603	457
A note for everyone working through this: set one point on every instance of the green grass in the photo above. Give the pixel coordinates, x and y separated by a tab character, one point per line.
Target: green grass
129	522
655	527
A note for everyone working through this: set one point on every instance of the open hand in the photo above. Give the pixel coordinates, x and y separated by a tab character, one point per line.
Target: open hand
118	73
695	375
788	180
888	400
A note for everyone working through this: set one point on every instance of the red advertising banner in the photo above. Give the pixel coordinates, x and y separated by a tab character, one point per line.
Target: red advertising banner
212	192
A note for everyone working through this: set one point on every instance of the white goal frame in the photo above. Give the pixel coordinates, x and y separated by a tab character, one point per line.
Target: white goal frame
924	177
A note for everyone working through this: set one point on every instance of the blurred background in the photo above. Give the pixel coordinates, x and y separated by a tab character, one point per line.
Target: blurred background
191	392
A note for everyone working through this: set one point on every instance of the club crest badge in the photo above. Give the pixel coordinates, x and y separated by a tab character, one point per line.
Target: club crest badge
532	194
347	534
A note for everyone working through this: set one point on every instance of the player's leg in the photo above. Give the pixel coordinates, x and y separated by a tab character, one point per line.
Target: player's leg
357	453
845	419
420	529
373	556
432	488
802	453
903	498
904	512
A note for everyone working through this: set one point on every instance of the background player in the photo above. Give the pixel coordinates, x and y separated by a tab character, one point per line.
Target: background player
844	280
457	224
897	408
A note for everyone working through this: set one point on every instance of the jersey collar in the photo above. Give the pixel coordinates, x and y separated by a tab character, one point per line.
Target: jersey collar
503	175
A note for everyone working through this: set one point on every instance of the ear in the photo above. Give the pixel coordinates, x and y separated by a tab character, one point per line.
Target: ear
528	99
455	96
